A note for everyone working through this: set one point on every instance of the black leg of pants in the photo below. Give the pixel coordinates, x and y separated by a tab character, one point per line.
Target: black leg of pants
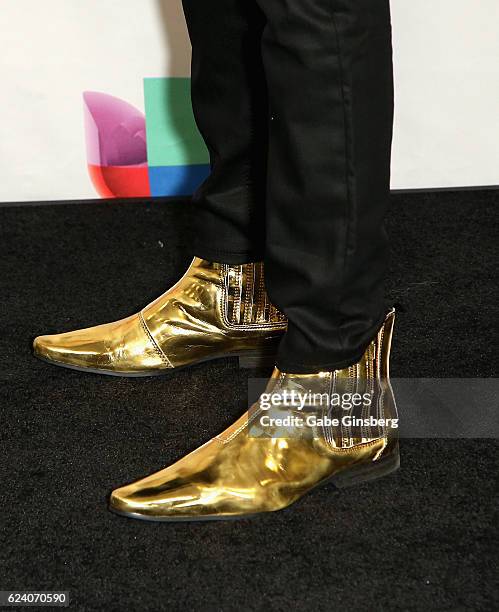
295	101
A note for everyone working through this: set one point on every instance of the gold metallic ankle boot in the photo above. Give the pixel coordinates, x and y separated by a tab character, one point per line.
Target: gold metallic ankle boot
268	459
215	310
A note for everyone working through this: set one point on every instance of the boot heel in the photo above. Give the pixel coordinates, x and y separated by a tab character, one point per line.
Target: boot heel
365	473
256	359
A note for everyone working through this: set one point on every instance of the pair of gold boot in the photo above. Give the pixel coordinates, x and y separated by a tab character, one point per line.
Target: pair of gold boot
270	457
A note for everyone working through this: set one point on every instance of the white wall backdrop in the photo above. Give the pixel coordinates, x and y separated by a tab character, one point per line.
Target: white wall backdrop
447	72
447	80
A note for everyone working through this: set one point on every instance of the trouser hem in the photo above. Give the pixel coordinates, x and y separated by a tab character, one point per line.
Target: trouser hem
293	367
231	257
290	367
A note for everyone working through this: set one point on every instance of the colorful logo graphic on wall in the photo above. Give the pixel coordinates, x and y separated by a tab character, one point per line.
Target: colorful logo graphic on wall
132	154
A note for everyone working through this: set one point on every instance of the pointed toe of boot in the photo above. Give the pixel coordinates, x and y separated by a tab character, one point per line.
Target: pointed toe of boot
82	349
54	348
141	502
121	348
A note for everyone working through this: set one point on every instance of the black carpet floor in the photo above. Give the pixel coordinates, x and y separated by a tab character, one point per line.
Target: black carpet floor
425	538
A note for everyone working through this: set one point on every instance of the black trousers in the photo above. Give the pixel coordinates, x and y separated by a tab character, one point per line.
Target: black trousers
294	99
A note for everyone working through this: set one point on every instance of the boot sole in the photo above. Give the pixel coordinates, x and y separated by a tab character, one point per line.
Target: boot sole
249	360
355	476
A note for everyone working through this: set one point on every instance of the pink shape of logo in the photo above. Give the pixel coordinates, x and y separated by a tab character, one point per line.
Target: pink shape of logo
115	131
116	146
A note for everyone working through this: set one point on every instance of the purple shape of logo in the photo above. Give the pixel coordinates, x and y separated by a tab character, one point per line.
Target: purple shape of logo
115	131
